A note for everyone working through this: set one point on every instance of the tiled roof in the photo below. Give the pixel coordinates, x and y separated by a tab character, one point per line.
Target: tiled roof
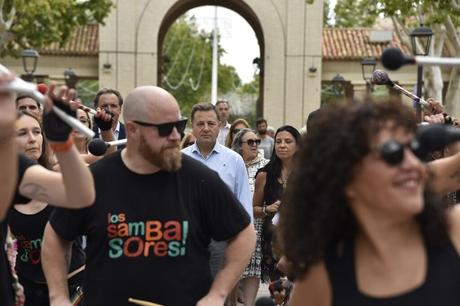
338	44
83	42
354	44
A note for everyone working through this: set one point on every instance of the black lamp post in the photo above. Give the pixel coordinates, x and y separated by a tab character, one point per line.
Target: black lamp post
423	35
367	67
70	78
29	63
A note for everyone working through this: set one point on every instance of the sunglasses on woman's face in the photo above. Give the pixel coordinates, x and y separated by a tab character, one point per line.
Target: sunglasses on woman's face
392	151
252	142
235	131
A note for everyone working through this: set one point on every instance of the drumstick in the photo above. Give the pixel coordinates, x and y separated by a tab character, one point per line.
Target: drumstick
20	86
143	303
87	109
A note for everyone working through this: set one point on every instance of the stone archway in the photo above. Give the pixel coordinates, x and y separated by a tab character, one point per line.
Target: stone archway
289	33
238	6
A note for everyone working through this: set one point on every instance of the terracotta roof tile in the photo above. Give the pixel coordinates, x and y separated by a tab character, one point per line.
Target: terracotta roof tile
354	44
338	44
83	42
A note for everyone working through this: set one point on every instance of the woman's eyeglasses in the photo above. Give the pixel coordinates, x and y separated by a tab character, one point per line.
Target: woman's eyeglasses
165	129
252	142
392	151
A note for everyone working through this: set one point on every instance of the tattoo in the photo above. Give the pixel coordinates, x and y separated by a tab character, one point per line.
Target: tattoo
34	191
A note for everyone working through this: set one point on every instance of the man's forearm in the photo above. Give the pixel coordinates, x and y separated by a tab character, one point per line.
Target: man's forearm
78	181
54	256
237	257
8	170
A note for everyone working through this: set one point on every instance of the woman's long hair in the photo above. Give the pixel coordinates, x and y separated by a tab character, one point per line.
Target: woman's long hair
44	158
315	214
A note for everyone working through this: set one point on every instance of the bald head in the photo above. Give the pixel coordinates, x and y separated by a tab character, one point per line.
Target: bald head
146	101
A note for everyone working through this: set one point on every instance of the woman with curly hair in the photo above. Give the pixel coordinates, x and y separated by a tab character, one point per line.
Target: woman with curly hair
270	183
360	226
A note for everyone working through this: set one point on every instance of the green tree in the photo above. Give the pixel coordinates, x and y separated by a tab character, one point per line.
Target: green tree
186	67
38	23
355	13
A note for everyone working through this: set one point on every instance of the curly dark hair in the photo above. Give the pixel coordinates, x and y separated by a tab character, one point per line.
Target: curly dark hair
316	214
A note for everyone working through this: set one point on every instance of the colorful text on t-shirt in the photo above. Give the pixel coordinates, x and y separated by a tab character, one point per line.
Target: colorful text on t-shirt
29	250
145	238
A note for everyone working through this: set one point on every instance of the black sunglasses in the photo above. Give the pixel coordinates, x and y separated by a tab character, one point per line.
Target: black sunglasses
235	131
392	151
165	129
251	142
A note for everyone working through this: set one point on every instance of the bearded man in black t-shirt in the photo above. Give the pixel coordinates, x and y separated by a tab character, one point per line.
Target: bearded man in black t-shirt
154	216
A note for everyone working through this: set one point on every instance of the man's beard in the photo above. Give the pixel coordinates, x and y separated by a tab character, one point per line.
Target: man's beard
262	132
169	158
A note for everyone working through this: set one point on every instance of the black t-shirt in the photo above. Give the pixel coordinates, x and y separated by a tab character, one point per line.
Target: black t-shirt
28	230
6	290
148	235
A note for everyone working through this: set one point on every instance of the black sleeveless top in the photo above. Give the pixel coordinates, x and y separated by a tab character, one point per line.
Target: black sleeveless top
28	230
441	285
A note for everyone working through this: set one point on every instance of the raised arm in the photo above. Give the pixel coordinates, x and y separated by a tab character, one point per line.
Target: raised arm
55	262
73	187
445	174
237	256
8	156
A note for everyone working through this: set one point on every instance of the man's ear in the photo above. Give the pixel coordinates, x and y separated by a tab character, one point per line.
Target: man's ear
131	127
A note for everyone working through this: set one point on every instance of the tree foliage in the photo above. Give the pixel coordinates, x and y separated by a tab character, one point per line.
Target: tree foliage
355	13
38	23
187	65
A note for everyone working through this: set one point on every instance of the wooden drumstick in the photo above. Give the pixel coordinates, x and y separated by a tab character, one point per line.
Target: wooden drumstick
143	303
87	109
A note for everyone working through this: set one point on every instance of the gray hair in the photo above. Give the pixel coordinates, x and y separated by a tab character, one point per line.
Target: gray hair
238	140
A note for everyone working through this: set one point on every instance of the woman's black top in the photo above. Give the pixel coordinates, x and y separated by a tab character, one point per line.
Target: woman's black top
441	285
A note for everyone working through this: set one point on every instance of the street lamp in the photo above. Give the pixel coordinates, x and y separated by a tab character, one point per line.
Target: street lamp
70	78
29	63
367	67
423	35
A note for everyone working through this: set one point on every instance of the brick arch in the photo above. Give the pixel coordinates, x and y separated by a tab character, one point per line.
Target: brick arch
240	7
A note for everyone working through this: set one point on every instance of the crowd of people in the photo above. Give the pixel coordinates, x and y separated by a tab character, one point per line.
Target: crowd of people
351	212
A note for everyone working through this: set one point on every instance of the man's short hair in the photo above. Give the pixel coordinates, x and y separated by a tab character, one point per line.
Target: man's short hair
105	91
261	120
222	101
27	96
203	107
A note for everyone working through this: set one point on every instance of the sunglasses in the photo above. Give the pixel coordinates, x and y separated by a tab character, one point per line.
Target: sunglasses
235	131
392	151
252	142
165	129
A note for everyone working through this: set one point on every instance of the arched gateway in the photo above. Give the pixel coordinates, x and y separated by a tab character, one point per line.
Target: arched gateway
288	31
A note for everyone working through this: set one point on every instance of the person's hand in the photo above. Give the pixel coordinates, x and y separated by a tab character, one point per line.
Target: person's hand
211	300
103	119
433	107
7	107
55	129
434	119
273	208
